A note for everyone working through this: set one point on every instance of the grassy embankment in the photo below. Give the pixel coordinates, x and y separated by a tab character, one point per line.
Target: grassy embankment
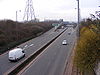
14	33
87	53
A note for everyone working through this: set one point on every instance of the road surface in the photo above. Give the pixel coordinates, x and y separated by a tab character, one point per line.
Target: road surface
33	45
53	59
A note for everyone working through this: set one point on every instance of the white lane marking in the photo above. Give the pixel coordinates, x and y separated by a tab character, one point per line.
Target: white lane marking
31	45
26	46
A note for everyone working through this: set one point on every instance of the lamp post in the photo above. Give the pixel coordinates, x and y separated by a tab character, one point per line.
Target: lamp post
78	18
17	14
16	24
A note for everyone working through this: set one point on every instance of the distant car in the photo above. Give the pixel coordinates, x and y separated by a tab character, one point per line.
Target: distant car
64	42
16	54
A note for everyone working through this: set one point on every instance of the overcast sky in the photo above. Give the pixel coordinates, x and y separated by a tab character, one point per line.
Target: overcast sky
48	9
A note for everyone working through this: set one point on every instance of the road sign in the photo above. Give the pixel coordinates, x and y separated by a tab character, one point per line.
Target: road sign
55	24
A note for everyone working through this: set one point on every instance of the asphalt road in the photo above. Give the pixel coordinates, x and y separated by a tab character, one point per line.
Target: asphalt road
52	61
32	46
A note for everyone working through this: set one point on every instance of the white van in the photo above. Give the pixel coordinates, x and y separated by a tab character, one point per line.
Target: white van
16	54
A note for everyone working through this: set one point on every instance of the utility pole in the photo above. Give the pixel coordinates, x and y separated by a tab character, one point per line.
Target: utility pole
17	15
29	11
78	18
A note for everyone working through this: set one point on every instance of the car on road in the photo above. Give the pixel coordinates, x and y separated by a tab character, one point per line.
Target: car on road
64	42
16	54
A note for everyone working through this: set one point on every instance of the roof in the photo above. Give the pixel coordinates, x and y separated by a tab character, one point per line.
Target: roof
16	49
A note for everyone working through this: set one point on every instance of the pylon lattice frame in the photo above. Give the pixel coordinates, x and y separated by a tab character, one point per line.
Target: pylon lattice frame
29	13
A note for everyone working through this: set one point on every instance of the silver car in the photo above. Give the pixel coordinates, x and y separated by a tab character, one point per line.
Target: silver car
64	42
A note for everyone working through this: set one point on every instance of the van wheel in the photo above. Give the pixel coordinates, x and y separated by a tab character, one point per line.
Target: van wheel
16	59
24	55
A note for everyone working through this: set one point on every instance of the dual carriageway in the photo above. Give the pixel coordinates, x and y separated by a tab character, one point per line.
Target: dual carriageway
51	61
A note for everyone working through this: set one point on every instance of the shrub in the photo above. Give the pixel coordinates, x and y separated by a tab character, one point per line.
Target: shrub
14	32
87	50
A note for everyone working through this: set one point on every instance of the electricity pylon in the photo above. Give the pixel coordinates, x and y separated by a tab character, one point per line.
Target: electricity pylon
29	13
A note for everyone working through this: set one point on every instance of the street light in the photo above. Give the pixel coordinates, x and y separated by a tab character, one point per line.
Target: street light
16	23
78	18
17	14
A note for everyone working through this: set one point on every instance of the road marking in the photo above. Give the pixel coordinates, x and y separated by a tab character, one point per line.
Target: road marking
25	45
31	44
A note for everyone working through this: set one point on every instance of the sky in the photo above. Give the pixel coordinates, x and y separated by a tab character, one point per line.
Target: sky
49	9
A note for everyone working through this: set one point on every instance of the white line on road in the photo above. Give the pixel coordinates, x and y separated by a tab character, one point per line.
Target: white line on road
31	44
